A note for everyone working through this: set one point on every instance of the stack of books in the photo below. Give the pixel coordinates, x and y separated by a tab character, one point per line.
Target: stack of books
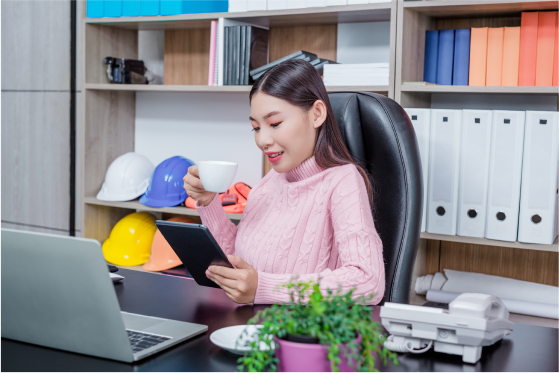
245	47
447	57
356	74
502	56
312	58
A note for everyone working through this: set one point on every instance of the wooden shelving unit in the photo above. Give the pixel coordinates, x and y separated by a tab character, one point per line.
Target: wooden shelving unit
531	262
479	90
136	205
383	89
486	242
109	110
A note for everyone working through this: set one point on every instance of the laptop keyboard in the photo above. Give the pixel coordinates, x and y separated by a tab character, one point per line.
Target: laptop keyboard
141	341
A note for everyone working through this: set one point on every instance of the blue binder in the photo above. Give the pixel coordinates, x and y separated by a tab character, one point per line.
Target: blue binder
95	8
446	57
431	56
130	8
113	8
149	7
461	72
170	7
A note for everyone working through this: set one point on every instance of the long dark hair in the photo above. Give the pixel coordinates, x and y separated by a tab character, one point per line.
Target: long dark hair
298	82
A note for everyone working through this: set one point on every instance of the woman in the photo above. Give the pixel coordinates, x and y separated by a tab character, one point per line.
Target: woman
310	215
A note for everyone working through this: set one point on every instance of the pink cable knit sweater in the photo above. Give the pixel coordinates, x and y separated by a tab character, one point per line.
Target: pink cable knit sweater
308	222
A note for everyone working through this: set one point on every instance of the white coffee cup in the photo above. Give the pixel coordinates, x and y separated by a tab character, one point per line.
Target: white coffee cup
217	176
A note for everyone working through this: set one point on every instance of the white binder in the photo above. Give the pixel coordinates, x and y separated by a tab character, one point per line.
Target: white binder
444	158
474	170
421	121
253	5
277	4
238	5
505	170
538	194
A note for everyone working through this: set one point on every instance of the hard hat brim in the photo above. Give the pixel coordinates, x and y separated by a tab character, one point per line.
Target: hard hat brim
160	203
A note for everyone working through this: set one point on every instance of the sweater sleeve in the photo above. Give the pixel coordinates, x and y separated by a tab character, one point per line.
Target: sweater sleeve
215	218
358	246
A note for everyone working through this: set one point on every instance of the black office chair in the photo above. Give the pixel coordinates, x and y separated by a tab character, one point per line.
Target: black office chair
380	137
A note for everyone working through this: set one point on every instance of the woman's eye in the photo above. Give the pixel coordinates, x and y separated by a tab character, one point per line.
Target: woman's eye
256	129
275	124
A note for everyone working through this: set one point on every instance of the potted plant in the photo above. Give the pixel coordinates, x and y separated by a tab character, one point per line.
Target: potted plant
316	332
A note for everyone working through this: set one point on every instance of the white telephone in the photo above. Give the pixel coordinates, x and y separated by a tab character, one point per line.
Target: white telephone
471	322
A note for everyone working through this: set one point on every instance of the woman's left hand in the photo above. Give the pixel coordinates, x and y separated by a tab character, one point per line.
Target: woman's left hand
239	283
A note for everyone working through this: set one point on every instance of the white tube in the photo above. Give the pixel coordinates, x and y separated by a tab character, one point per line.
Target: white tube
513	305
502	287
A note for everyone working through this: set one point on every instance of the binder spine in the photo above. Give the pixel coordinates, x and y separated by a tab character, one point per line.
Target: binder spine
446	57
444	157
461	71
421	121
505	167
431	56
538	196
474	170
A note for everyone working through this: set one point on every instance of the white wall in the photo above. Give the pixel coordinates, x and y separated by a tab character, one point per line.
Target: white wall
198	126
364	42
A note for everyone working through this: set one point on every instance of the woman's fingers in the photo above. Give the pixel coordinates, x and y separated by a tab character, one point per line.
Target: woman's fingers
193	170
194	183
222	280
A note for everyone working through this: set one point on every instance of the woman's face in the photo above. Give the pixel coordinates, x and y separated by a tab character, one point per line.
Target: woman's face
285	132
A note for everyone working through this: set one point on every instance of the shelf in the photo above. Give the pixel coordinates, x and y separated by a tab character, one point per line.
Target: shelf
136	205
484	241
477	8
275	18
216	89
477	89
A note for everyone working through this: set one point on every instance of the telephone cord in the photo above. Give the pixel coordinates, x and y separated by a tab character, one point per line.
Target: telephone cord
404	347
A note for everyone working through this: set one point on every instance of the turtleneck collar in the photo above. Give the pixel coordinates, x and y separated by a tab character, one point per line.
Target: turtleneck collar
305	170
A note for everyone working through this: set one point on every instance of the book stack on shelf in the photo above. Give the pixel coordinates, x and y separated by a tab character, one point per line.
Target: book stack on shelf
245	48
501	56
356	74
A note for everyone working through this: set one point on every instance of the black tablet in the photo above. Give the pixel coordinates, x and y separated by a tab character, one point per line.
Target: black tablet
196	248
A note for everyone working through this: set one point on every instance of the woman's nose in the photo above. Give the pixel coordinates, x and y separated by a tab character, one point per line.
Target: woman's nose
265	140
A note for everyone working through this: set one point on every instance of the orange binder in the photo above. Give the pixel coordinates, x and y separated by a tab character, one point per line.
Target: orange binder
546	48
478	56
556	56
511	55
528	48
495	39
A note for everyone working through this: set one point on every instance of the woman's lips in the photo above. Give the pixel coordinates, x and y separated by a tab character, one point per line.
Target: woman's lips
274	157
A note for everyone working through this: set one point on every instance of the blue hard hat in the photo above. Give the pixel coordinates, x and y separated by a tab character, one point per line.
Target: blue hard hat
166	185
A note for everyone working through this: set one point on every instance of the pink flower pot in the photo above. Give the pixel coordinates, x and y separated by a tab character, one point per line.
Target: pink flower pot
304	357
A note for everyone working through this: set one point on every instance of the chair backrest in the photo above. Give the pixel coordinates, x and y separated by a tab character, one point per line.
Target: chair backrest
380	137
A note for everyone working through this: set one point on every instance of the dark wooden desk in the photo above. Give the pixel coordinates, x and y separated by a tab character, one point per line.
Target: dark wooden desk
528	348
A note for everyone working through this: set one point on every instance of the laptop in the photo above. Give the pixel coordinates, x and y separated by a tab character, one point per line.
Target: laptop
56	292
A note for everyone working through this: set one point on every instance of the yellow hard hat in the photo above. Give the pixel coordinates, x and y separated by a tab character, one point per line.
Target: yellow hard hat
130	241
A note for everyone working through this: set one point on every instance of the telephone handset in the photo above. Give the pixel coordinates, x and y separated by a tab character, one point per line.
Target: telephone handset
472	321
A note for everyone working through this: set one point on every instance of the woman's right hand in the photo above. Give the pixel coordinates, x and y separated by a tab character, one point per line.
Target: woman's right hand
195	189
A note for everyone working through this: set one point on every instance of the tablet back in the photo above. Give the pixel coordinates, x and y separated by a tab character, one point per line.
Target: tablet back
196	248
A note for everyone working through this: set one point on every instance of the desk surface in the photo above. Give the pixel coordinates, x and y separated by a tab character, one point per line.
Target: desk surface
528	348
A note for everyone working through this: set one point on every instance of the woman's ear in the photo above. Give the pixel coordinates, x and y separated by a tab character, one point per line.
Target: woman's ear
319	113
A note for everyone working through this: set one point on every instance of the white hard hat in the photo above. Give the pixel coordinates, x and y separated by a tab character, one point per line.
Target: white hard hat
127	178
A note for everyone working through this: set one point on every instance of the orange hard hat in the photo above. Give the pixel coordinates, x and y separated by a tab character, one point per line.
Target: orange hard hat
162	256
240	189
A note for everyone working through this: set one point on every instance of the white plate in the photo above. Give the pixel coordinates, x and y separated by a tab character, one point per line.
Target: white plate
228	338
